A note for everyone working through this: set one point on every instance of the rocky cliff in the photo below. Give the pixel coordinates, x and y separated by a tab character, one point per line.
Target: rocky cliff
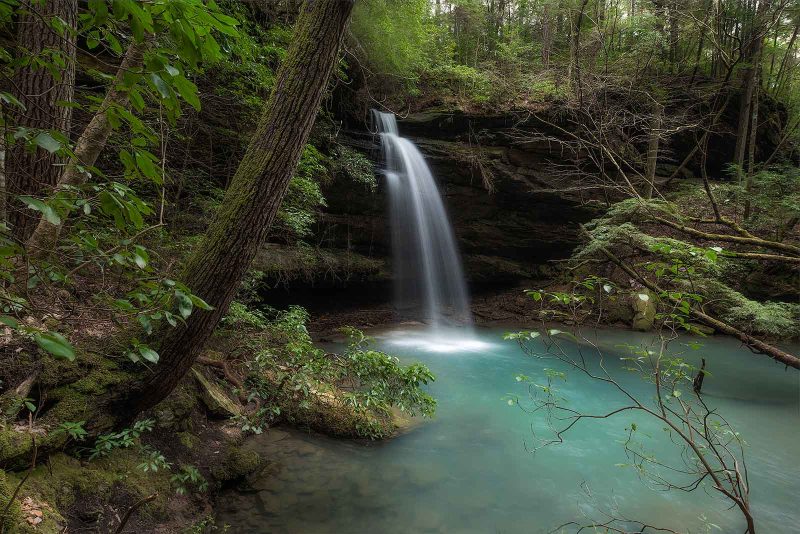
508	219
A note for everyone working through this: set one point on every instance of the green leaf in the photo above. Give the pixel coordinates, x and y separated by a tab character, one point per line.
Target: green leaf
144	160
49	213
160	85
144	320
8	98
200	303
148	354
184	303
55	344
9	321
45	140
187	90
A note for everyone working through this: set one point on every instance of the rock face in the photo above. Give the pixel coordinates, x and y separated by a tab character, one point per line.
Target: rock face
644	310
508	219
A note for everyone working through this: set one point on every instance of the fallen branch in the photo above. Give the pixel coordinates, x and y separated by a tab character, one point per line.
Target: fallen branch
752	343
756	241
132	509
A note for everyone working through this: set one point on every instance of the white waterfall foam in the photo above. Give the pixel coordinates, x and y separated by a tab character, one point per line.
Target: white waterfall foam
429	279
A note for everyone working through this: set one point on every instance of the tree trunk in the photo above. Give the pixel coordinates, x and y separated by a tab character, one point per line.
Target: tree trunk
43	94
240	228
674	35
575	53
88	148
547	36
654	137
786	58
751	163
753	56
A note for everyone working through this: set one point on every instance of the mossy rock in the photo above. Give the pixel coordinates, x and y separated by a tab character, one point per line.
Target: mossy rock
214	397
66	481
238	462
188	440
643	303
13	517
174	411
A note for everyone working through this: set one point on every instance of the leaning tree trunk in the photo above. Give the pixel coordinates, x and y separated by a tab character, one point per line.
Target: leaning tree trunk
240	228
44	95
88	148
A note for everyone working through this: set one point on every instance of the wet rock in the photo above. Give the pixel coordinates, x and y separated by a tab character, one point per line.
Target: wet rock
643	303
215	399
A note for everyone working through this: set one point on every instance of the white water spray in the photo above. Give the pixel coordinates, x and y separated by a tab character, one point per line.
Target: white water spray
429	279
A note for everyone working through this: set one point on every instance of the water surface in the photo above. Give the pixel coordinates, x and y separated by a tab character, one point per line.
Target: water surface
471	470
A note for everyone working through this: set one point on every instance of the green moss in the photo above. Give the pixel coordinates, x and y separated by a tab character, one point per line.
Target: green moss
14	444
188	440
65	479
238	462
774	319
174	411
13	516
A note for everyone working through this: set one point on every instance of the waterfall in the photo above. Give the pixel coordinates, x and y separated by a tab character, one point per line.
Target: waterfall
429	279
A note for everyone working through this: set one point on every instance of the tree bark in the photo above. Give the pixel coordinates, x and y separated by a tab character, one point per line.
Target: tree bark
88	148
751	163
654	137
575	53
547	36
753	53
240	228
43	94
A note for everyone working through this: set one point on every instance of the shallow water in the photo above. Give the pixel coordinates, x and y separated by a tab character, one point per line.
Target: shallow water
469	469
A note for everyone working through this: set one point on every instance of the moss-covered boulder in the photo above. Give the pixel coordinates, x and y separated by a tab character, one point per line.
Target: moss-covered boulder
238	462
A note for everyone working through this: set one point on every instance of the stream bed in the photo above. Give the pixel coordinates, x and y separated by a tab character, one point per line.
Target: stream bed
471	468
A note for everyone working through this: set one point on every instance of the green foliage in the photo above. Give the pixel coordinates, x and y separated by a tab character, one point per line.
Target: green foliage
383	382
779	320
75	430
153	461
775	199
248	72
187	479
240	315
106	443
303	197
394	34
294	379
354	166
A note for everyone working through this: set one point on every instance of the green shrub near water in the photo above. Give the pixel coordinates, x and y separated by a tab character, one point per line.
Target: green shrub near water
352	393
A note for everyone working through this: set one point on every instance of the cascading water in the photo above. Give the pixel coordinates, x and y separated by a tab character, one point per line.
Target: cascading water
429	279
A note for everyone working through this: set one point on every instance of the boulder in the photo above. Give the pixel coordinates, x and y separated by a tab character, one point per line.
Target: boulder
643	303
214	398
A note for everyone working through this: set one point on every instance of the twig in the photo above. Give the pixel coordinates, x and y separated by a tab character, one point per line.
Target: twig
132	509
